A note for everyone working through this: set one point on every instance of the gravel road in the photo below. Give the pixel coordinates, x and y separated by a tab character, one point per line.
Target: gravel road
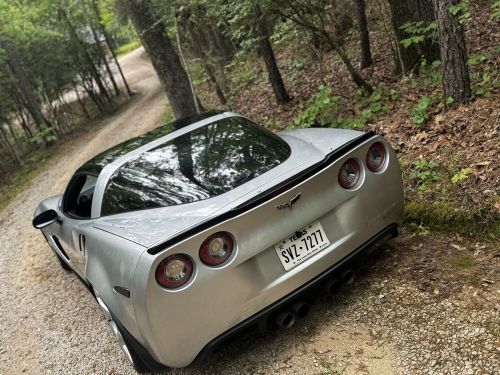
403	316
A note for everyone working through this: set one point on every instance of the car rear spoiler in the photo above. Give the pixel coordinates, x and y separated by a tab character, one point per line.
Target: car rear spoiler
266	195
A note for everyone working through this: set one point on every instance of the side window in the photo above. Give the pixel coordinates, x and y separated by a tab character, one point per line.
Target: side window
78	197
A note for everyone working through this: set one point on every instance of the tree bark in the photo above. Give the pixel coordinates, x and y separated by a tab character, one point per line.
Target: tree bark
266	51
108	43
90	63
404	11
456	80
153	35
195	42
364	36
102	55
27	91
79	98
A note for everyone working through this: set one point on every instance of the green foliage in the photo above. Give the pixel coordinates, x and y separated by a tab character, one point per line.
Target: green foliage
431	73
419	230
242	71
425	174
461	11
495	9
322	110
420	112
462	175
477	58
325	109
485	78
46	134
419	31
126	48
449	216
485	83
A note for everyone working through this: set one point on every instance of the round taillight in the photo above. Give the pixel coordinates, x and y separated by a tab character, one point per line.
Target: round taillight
216	249
375	157
349	174
174	271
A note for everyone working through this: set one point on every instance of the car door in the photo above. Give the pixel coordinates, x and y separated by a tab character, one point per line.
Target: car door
75	215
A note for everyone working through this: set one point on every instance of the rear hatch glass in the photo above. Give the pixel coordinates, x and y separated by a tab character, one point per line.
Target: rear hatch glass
201	164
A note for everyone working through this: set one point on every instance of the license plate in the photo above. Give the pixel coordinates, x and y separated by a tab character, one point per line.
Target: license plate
301	245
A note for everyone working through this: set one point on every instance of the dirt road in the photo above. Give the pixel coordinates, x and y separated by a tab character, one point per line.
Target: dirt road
400	317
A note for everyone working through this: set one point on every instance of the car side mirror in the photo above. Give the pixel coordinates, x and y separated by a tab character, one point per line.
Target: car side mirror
45	218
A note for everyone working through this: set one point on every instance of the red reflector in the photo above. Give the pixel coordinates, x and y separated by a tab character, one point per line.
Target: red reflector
174	271
349	174
216	249
375	158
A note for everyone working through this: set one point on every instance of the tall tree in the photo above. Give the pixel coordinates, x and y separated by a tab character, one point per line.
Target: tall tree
153	34
267	53
321	19
110	47
403	13
364	36
31	100
456	80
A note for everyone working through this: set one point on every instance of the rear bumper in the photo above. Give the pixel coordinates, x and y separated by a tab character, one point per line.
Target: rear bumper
260	321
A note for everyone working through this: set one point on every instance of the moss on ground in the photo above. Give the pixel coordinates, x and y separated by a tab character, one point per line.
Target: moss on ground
447	217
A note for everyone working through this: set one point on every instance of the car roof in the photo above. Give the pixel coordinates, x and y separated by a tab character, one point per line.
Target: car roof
95	165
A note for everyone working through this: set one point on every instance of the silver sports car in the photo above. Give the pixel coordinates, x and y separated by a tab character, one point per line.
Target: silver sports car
212	227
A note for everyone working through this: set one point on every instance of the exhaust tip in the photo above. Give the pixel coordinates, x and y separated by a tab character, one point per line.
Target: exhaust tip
349	276
332	286
301	309
285	319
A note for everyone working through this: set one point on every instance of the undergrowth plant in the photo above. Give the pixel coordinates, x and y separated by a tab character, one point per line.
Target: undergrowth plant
425	174
419	32
325	109
321	111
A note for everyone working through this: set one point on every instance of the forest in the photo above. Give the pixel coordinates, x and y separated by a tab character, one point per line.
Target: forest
405	68
80	76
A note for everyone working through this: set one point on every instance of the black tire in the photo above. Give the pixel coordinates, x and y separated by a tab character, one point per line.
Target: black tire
139	365
63	264
142	360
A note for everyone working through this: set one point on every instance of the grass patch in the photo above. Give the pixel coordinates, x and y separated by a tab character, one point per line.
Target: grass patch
127	48
446	217
35	164
463	262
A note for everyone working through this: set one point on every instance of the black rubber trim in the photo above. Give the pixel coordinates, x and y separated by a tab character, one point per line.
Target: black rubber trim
266	195
136	346
260	319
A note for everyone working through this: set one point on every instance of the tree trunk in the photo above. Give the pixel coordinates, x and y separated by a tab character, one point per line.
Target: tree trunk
30	98
266	51
11	149
204	60
153	35
356	77
456	81
79	98
20	118
402	12
90	63
102	55
108	43
364	37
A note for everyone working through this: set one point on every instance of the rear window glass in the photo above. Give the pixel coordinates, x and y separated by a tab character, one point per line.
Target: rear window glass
204	163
